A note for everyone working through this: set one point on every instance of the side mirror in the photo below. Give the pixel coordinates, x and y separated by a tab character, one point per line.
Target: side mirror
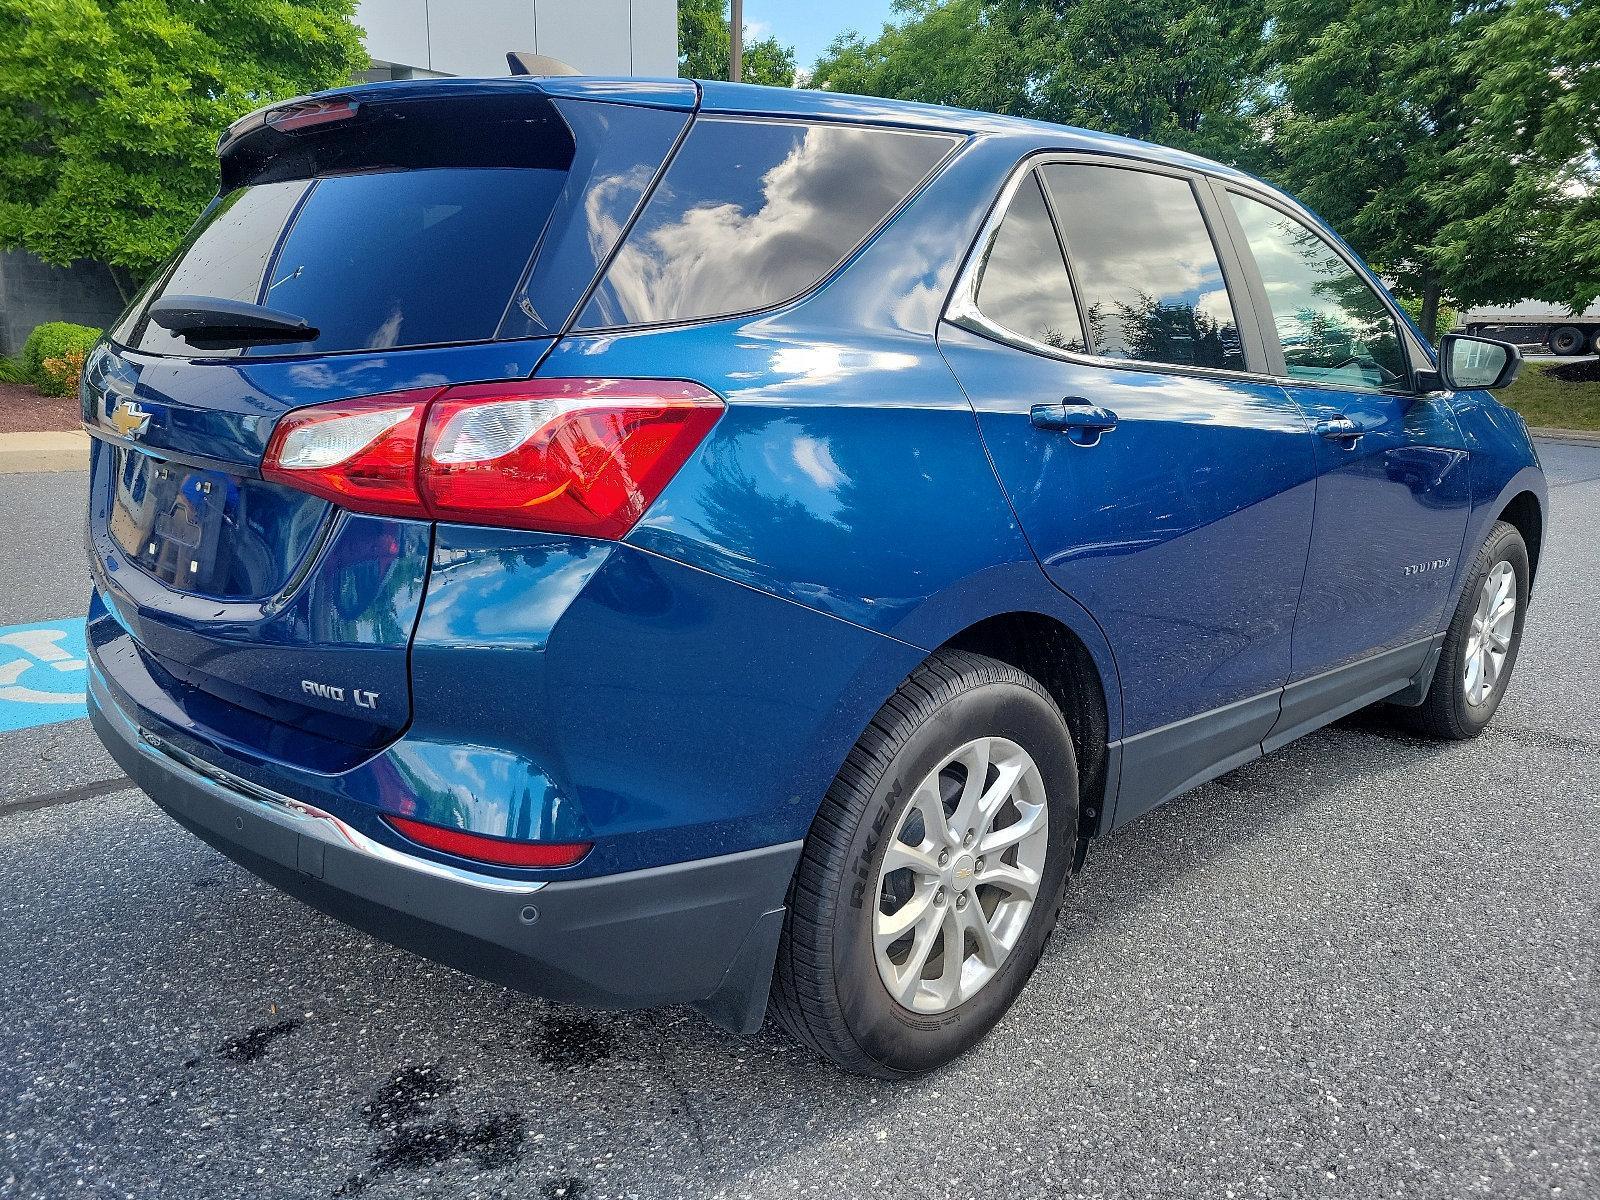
1467	362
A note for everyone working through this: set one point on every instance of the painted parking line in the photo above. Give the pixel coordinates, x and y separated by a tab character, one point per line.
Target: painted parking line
43	673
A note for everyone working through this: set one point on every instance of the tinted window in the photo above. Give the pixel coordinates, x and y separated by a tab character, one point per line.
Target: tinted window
1333	326
1148	276
1024	286
752	213
390	258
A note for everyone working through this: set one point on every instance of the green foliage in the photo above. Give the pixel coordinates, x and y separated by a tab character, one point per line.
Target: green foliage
1180	72
1545	399
53	355
1455	143
1447	319
1452	141
12	370
110	111
705	45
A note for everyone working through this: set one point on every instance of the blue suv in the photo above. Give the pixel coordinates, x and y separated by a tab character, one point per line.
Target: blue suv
656	542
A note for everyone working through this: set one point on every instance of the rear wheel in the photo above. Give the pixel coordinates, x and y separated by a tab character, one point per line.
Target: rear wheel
933	873
1480	647
1567	339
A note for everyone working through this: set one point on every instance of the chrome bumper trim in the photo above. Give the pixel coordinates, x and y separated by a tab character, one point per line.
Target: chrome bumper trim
297	815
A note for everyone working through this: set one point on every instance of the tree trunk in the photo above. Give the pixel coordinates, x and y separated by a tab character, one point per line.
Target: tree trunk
1430	310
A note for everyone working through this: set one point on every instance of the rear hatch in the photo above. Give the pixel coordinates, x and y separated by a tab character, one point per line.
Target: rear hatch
430	234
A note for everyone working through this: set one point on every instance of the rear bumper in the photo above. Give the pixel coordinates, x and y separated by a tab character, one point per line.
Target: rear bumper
703	933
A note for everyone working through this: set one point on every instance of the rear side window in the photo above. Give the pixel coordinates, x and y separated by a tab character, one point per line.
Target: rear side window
1333	327
1025	286
373	260
752	213
1148	277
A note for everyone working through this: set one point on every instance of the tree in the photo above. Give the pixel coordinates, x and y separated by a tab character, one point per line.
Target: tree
939	52
1452	141
705	46
1182	72
110	112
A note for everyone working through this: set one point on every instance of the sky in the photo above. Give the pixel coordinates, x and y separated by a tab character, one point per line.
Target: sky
809	25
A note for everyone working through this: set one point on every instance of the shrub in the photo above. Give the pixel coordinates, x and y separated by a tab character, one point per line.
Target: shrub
52	357
1448	317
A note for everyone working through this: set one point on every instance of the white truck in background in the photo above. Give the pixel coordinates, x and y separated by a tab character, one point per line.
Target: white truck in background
1534	323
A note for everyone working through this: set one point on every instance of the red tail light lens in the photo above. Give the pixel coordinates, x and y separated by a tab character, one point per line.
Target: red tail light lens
503	852
565	455
584	456
361	454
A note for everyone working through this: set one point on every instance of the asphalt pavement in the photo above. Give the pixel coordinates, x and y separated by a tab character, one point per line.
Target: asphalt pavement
1364	966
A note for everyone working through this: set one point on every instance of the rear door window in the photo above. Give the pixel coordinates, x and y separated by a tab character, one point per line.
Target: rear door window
752	213
372	260
1148	275
1025	287
1334	328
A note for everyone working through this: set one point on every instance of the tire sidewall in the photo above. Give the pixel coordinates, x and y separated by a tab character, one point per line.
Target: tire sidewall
899	1039
1505	545
1563	341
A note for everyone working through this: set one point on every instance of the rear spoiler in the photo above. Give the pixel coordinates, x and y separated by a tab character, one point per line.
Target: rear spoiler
542	79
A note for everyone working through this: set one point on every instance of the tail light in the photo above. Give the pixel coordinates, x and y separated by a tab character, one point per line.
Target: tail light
584	456
503	852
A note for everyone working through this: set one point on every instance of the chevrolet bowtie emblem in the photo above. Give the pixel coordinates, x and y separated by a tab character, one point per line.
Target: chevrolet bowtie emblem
129	419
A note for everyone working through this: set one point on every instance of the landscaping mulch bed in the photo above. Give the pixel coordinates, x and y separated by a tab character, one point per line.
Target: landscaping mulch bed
23	410
1587	371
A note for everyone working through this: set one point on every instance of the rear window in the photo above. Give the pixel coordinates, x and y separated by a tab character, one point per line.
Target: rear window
372	260
752	213
1149	279
1025	286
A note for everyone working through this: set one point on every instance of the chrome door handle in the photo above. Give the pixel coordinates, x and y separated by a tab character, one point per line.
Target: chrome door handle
1339	429
1078	419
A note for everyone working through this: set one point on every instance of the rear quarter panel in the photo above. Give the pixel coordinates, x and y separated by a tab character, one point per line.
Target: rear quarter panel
848	473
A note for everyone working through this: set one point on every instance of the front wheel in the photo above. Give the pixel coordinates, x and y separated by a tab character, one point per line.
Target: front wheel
933	872
1480	647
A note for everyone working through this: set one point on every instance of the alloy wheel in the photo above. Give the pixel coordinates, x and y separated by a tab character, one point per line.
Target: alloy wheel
961	875
1489	641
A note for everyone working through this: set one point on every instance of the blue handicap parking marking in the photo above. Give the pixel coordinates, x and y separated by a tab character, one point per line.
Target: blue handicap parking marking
44	670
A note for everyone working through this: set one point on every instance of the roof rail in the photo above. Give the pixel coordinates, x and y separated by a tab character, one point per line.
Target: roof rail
524	62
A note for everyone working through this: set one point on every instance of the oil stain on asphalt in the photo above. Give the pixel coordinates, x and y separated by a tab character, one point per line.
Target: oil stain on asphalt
248	1047
402	1112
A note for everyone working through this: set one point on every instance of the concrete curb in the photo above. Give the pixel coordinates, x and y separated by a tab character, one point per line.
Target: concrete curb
1551	434
42	453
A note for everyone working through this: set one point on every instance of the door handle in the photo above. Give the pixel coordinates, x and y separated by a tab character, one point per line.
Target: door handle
1077	418
1339	429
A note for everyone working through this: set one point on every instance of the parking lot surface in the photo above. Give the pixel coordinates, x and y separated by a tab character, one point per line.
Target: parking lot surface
1364	966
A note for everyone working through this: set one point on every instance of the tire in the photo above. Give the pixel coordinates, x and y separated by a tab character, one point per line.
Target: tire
1594	342
1566	339
1449	713
831	992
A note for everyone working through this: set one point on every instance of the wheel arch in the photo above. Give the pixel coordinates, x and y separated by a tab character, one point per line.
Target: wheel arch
1526	513
1050	651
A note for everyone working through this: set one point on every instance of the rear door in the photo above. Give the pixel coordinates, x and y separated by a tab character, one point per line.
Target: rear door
1164	481
1393	491
431	238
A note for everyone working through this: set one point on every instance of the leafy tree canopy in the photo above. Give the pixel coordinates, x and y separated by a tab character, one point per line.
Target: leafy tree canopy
1173	71
110	112
705	45
1452	141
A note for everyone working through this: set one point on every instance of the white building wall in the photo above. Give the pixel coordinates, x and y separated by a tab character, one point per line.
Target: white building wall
471	37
